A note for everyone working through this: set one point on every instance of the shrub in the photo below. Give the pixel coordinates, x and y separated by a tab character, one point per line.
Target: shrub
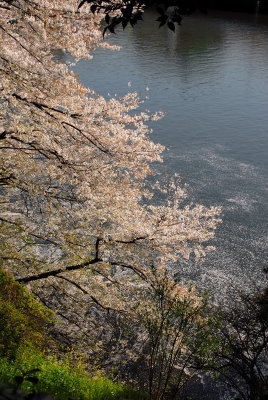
181	335
60	380
22	318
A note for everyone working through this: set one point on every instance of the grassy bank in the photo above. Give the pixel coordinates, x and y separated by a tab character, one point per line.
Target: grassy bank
62	381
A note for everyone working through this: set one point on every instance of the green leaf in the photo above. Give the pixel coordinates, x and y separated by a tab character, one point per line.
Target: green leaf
32	379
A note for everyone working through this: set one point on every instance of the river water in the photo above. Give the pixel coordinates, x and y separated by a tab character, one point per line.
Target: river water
211	79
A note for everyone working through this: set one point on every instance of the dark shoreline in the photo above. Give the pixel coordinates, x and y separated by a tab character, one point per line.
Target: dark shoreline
250	6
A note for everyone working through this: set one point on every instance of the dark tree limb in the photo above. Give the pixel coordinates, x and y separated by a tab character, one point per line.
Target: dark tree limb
58	271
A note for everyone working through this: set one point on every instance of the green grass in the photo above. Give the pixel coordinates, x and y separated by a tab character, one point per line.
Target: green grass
22	333
62	381
22	318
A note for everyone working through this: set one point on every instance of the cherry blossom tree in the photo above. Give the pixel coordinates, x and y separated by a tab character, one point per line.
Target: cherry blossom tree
79	218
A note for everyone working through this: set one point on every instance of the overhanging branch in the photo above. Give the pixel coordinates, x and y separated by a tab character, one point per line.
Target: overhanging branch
58	271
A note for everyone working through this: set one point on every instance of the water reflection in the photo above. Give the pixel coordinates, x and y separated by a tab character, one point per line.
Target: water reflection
185	48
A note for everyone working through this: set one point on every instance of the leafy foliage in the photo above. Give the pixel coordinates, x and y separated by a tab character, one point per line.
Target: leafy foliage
22	318
34	376
130	11
9	391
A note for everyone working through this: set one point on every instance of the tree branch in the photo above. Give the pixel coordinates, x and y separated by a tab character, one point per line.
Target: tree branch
58	271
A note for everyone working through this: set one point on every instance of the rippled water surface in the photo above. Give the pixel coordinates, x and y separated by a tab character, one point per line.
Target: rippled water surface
211	79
